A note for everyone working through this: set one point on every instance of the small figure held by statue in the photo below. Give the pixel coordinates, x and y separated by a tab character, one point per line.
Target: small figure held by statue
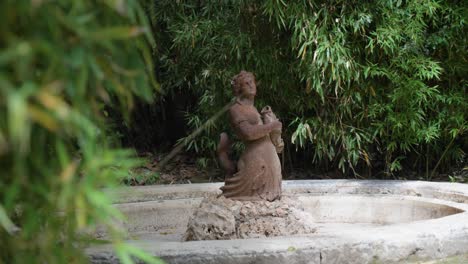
257	174
268	117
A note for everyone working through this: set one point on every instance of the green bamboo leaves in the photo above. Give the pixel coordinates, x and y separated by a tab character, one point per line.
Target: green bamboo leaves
361	84
62	65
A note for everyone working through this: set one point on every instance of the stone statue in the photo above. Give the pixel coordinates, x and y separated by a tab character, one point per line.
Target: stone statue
257	175
268	117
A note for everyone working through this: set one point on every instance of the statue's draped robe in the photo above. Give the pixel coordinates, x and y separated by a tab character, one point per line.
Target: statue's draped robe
258	173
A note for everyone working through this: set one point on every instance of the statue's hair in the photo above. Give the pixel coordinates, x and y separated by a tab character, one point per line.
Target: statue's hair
237	80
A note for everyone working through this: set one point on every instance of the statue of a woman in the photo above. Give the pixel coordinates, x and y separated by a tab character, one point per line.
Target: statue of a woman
258	171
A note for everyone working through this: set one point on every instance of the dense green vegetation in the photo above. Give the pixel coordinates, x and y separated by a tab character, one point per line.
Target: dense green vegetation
369	88
62	64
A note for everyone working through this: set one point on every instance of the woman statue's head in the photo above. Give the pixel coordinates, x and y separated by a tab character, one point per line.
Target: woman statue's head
244	84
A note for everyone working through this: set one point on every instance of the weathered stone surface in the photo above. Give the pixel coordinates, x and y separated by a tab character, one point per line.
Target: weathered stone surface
221	218
257	175
211	221
371	222
269	117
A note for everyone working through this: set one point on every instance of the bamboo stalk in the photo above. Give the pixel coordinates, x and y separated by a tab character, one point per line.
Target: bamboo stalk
441	158
195	133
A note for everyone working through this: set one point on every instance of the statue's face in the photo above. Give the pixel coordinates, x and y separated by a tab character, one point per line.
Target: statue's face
248	86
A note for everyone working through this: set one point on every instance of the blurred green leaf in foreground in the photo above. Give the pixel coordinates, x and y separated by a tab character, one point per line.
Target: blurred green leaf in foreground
62	63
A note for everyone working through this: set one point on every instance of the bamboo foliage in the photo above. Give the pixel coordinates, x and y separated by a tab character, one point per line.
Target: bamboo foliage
61	63
356	83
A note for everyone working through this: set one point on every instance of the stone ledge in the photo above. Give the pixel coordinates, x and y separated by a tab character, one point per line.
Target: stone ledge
395	243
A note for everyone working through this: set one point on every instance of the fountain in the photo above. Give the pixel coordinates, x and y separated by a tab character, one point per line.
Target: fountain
255	217
355	221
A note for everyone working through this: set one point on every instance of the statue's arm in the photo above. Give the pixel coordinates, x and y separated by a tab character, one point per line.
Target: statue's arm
249	132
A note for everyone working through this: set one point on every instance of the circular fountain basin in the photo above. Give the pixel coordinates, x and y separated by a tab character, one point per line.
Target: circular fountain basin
357	222
379	210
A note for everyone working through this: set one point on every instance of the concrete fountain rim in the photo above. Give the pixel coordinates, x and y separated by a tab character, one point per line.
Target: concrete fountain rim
426	239
455	192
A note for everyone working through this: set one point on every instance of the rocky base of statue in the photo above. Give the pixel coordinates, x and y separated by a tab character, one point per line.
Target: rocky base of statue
222	218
